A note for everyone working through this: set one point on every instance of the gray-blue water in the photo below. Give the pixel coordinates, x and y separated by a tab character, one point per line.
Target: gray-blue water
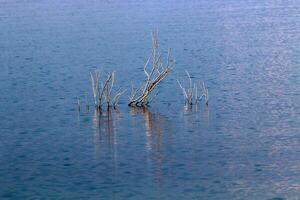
245	145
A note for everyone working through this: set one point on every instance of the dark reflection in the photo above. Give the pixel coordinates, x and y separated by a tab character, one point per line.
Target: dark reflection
154	124
196	113
191	108
104	123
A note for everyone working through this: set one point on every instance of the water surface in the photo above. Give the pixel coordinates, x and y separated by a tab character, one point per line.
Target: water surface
245	145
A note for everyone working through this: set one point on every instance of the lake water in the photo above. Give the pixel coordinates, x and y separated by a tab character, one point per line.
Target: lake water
244	145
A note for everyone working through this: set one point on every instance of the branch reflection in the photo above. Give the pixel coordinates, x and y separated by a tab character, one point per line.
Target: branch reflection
196	116
153	127
154	124
105	124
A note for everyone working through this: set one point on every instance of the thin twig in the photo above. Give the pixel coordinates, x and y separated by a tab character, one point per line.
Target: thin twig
190	93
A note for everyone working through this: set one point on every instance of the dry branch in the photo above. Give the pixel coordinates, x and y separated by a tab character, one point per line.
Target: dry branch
190	93
95	78
155	75
105	92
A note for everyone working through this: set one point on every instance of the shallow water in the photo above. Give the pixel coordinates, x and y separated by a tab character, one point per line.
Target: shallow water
245	145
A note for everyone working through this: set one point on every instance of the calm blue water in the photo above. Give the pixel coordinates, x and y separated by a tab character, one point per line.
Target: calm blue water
245	145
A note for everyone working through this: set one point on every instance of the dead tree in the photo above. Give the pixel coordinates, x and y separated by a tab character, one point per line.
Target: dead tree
104	92
157	73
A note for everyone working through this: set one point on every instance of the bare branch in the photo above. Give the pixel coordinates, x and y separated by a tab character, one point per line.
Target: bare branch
190	93
95	85
158	72
105	91
205	93
117	97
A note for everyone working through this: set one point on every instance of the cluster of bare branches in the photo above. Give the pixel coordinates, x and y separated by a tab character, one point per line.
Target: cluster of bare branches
157	72
191	93
103	93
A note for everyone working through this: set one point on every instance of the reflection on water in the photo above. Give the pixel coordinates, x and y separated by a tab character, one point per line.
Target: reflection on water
104	126
154	133
196	115
153	123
